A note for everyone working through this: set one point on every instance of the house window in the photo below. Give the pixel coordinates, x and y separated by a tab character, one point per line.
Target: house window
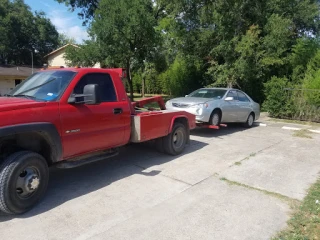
17	81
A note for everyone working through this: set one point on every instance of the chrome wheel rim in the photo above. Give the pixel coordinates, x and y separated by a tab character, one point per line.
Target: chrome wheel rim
250	120
215	119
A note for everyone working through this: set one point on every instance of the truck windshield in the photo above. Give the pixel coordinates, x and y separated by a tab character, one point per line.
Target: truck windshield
46	85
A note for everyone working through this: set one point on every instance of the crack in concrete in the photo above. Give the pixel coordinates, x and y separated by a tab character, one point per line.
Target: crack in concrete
254	154
178	180
291	201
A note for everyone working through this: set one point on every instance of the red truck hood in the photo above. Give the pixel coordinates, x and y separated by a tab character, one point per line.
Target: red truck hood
15	103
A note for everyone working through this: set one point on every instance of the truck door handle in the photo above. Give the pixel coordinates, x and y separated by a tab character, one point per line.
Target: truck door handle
117	111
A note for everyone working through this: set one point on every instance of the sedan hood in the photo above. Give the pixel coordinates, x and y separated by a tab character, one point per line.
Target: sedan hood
15	103
188	101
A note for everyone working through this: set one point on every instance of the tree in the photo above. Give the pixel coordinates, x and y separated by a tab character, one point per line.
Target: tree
122	34
64	40
237	43
87	7
23	33
87	54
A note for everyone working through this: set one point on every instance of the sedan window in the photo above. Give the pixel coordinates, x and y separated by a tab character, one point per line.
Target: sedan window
242	97
208	93
233	94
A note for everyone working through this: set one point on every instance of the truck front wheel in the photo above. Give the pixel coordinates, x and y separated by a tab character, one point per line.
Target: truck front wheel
23	181
175	142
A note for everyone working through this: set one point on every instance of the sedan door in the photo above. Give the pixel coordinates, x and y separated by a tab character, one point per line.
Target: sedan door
244	107
230	109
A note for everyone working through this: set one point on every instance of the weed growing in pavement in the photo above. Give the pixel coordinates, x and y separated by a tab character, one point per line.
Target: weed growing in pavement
293	203
303	133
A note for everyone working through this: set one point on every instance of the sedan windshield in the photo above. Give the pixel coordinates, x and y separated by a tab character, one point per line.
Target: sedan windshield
208	93
46	85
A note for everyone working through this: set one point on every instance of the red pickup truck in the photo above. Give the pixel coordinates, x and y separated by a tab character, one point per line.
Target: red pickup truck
69	117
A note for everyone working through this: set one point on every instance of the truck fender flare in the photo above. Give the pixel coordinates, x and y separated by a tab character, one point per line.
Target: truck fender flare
45	129
174	119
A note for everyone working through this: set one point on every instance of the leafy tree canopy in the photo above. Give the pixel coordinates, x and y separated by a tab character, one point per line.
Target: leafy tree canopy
23	33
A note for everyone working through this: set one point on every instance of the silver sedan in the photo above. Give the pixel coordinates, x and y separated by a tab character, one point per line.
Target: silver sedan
218	105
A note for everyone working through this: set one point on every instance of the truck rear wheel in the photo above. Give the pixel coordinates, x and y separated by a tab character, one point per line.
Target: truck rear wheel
175	142
23	181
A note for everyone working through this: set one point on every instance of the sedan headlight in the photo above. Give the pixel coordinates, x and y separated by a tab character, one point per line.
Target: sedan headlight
199	108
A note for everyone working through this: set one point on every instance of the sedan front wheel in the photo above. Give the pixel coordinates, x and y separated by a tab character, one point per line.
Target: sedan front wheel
215	118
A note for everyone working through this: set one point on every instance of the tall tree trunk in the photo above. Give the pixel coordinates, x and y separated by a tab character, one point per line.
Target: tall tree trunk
131	90
143	86
129	80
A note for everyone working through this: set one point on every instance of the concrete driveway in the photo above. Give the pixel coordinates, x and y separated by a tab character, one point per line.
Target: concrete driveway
233	183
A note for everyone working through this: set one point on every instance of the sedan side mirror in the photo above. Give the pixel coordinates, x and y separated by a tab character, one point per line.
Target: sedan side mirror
89	96
229	99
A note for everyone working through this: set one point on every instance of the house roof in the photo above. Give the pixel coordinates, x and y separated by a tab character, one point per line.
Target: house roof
59	49
12	70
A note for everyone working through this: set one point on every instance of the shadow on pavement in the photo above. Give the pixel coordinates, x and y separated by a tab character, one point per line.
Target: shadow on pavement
68	184
223	131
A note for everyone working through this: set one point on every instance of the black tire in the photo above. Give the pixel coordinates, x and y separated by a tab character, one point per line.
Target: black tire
159	145
250	121
215	118
175	142
24	179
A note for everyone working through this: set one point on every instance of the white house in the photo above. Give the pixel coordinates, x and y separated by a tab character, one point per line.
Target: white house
11	76
56	57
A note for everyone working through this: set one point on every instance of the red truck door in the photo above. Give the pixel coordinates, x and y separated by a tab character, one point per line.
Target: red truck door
86	128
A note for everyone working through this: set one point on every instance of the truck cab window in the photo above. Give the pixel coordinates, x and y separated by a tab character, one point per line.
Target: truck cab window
106	88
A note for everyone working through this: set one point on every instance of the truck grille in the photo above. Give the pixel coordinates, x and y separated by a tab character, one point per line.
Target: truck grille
180	105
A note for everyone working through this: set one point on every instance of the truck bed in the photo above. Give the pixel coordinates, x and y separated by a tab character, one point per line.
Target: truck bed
151	124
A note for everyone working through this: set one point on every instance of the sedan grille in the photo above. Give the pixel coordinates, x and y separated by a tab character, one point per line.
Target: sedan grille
180	105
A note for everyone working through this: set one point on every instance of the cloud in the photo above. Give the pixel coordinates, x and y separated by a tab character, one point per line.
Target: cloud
46	4
67	25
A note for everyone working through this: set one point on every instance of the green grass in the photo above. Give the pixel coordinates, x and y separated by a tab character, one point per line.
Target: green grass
303	133
305	222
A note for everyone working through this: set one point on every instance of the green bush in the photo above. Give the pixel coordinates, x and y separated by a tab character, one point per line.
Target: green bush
286	100
278	100
182	77
312	89
304	111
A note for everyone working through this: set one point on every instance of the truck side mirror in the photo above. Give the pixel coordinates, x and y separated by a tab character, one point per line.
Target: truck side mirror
90	93
89	96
